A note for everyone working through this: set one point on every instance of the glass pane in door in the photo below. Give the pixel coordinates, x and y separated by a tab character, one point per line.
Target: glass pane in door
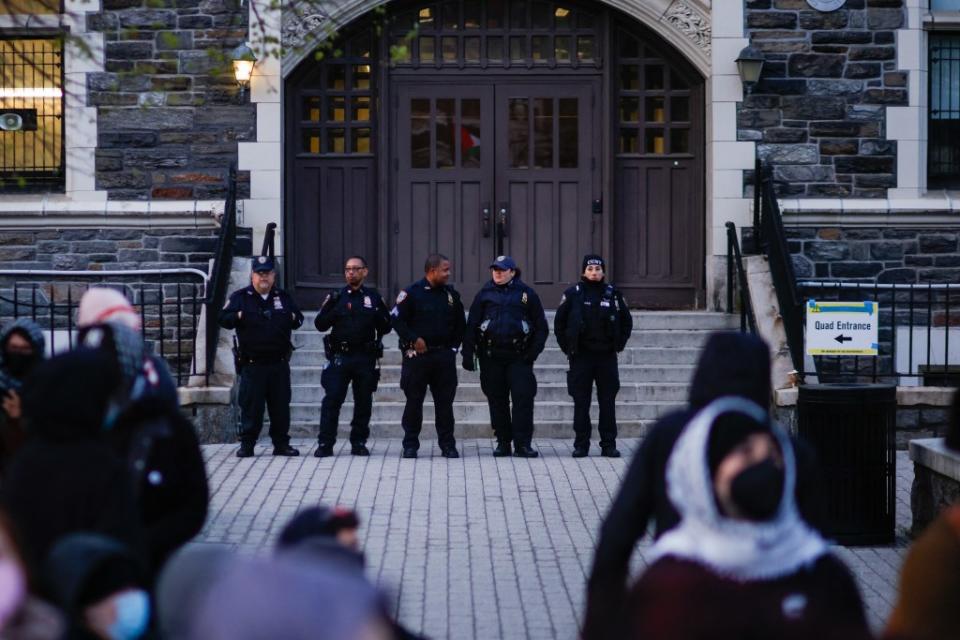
518	133
470	140
543	133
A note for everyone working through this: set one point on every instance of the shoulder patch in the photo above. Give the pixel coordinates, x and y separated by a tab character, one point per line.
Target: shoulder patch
563	298
523	298
401	296
449	298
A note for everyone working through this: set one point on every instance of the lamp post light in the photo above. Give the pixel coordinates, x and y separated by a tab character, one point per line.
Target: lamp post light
243	61
749	66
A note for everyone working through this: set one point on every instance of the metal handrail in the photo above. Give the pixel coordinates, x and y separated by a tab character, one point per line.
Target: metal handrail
748	319
220	273
774	245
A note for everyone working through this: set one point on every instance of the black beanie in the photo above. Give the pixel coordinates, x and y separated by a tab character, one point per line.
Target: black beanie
317	522
593	258
729	430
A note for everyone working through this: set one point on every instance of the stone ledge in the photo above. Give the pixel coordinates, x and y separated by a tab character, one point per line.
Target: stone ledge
906	396
190	396
933	454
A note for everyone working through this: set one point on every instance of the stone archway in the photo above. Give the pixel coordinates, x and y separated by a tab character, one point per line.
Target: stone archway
684	24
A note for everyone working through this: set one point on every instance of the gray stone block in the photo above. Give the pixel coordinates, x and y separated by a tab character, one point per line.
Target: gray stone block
938	243
789	153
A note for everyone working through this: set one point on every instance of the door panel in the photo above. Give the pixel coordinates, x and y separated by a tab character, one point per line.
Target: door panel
547	174
443	182
655	238
338	193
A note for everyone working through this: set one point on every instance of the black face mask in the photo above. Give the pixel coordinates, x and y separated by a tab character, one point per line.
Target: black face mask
757	490
19	364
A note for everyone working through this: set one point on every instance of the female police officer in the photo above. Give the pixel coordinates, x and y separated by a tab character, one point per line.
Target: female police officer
507	330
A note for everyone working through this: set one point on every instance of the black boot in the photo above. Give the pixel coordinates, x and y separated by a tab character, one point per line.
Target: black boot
245	450
359	450
503	450
285	450
323	451
525	451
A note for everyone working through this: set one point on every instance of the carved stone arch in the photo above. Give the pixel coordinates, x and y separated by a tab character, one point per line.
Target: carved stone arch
685	24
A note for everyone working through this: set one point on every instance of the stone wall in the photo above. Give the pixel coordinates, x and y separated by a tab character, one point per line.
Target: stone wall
818	112
936	481
169	110
884	254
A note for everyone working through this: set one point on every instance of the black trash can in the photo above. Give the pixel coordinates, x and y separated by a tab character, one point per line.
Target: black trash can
852	429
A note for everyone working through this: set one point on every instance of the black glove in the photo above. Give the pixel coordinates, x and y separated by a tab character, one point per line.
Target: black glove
468	363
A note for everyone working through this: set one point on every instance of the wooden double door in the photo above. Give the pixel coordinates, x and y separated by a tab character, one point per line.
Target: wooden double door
484	168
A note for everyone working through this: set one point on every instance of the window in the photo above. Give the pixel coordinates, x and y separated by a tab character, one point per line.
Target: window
476	33
943	155
31	114
336	111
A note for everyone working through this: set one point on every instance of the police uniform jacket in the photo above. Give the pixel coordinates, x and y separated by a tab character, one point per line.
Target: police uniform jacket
507	318
264	327
592	317
358	317
433	313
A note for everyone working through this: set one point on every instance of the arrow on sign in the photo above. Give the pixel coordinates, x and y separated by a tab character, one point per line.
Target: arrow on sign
842	338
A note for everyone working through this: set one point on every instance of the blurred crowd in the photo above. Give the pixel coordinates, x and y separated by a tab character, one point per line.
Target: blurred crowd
102	485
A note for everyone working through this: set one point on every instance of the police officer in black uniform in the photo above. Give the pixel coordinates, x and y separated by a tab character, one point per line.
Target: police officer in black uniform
592	325
429	320
507	330
263	315
359	320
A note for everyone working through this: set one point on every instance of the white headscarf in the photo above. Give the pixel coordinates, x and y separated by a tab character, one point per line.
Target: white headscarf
739	549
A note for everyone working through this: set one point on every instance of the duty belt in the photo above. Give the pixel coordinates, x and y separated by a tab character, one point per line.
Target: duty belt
264	359
355	347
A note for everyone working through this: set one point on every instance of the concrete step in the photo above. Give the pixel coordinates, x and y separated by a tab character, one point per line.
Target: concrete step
547	392
661	338
478	411
464	430
551	356
642	320
629	373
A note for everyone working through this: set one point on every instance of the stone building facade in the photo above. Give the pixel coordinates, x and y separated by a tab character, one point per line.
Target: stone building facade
153	119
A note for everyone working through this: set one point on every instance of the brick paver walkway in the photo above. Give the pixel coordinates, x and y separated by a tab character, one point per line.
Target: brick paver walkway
479	547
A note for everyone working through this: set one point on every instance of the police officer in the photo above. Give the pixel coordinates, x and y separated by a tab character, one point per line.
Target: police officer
429	320
263	315
359	319
592	325
507	330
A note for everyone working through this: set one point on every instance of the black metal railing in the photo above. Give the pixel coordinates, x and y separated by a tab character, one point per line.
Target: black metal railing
168	301
914	335
738	289
220	273
772	241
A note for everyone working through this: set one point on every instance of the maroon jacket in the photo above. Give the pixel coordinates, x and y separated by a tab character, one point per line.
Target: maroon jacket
679	599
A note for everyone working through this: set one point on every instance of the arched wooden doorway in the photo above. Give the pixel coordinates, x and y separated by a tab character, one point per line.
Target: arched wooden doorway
545	130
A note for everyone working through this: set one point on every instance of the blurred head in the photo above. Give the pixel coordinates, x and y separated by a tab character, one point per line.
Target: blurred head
746	466
102	304
732	364
13	574
66	397
355	271
593	267
437	269
21	347
98	584
182	584
338	523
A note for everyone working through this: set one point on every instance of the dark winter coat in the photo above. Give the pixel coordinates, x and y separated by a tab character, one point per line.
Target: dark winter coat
508	319
67	478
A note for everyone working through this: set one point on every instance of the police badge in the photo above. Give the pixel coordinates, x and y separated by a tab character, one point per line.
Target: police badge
523	298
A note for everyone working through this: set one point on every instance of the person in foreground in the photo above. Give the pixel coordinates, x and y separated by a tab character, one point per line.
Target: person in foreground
741	563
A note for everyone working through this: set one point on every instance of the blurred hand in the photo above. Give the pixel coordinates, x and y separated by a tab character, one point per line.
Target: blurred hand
420	346
11	405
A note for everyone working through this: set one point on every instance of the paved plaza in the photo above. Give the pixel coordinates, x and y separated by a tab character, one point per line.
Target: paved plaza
479	547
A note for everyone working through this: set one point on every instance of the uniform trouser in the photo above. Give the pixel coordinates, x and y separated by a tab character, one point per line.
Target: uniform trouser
436	369
585	370
360	370
502	380
265	384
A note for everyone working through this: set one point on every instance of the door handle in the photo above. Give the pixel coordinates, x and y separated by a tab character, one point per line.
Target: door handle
503	219
485	220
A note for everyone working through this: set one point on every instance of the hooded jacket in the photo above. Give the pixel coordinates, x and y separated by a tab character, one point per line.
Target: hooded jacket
12	434
731	364
66	478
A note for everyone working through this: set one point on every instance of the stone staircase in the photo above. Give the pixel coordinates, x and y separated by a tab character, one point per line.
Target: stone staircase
655	372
